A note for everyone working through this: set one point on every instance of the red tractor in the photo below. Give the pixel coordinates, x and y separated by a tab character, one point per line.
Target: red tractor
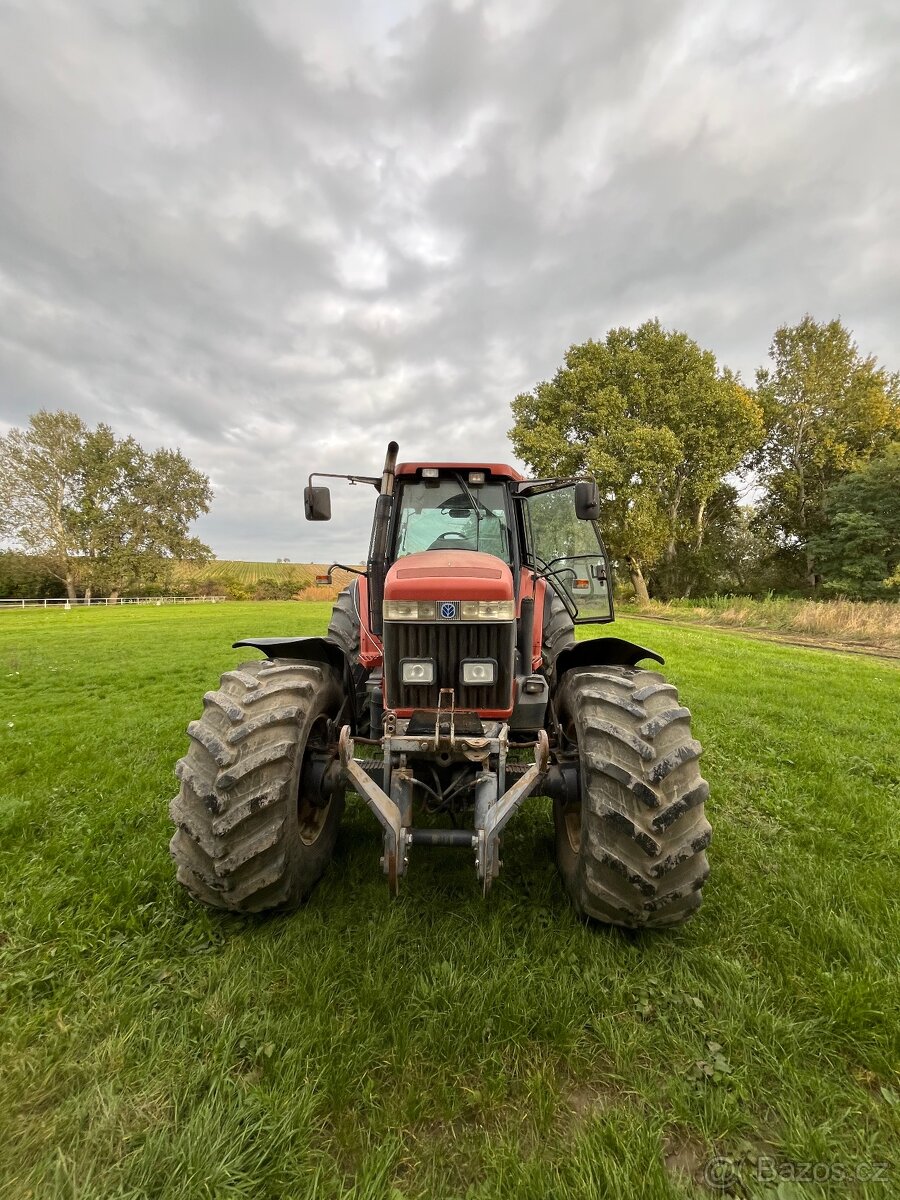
450	683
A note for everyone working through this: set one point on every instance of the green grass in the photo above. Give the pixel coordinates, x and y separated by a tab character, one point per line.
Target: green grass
437	1045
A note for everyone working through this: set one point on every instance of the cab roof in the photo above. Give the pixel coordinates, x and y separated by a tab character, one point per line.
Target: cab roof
495	470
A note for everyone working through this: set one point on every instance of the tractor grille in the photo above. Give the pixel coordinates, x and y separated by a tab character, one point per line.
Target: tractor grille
448	645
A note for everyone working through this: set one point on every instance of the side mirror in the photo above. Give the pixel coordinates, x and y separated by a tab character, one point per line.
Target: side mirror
317	503
587	500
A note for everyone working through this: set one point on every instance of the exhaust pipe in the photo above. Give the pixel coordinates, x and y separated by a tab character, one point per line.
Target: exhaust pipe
377	564
390	465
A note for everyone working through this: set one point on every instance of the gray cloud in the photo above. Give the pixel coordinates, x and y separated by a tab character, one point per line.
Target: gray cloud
277	235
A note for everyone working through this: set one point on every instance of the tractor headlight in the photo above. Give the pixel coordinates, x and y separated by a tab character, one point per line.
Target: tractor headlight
479	671
469	610
409	610
487	610
417	670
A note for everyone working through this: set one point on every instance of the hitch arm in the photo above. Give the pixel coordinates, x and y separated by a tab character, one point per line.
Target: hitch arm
381	804
497	815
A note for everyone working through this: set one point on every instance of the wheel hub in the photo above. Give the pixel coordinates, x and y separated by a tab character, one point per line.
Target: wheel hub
572	823
319	780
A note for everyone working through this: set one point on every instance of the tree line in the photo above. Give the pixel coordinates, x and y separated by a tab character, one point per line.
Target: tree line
709	485
92	513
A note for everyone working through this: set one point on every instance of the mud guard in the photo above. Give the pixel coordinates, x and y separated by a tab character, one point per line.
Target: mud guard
602	651
309	649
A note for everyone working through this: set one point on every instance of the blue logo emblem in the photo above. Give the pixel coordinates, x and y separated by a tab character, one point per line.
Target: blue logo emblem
448	610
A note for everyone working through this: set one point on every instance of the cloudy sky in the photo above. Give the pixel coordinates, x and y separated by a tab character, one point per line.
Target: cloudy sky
277	234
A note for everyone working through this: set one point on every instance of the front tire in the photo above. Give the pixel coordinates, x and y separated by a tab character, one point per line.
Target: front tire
632	851
260	802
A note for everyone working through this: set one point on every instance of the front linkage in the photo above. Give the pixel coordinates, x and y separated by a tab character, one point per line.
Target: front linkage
445	736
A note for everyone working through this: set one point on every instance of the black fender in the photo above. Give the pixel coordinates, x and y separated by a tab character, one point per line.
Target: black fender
602	652
309	649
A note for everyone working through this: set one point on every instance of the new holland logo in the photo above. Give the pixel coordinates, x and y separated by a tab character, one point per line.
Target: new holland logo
449	610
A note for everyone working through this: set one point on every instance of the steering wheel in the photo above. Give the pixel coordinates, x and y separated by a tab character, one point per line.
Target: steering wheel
451	540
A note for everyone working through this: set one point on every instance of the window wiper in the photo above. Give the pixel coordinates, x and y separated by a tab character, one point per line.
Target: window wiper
475	505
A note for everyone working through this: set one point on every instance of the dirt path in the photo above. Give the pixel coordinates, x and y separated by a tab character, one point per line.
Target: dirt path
769	635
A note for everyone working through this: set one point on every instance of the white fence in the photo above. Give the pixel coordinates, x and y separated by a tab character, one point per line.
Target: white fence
108	601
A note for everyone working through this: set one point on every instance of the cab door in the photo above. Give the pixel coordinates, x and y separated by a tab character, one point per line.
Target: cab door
567	551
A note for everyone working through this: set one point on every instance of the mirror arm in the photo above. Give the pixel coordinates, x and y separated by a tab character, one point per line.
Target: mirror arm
375	482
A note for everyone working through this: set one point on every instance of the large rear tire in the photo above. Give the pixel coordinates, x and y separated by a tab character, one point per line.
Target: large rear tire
558	632
344	629
260	802
632	851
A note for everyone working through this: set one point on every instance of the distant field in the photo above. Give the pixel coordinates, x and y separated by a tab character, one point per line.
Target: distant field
249	572
439	1045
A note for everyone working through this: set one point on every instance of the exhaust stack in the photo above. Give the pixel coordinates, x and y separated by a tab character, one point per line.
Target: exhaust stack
377	564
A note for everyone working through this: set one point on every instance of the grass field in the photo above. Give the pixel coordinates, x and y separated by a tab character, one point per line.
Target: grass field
439	1045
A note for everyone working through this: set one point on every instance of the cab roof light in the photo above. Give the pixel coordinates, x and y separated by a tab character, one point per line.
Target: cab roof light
430	473
476	477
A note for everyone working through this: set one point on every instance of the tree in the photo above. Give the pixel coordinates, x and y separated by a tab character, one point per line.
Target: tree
100	511
650	415
858	552
828	411
283	588
721	562
39	471
24	576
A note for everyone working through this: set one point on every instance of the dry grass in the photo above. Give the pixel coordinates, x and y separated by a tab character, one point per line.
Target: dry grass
854	622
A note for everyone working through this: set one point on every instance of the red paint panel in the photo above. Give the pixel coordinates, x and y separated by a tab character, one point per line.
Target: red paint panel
486	714
528	587
370	651
449	575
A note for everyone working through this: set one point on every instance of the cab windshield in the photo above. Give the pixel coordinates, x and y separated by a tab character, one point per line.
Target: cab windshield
448	515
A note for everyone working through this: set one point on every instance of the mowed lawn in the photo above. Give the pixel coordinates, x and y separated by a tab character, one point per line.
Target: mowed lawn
439	1045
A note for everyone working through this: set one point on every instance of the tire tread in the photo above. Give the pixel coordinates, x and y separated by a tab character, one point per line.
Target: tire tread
644	833
236	844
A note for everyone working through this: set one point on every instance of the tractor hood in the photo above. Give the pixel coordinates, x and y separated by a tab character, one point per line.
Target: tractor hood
449	575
